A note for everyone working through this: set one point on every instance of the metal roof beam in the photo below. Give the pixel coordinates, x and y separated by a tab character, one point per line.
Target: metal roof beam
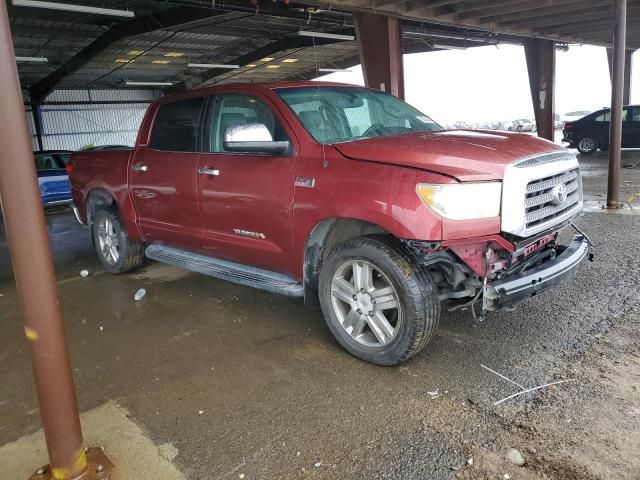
526	10
286	43
161	20
555	21
477	9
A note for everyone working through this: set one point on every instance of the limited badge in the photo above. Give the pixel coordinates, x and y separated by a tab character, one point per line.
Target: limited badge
305	182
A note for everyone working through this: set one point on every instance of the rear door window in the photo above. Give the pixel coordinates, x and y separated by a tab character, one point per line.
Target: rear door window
176	126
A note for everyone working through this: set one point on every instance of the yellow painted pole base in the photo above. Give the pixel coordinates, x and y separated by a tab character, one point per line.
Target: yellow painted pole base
99	467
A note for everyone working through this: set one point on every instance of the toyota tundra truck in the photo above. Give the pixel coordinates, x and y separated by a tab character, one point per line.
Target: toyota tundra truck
344	196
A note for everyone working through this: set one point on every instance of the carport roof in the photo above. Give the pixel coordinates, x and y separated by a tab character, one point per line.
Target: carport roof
97	51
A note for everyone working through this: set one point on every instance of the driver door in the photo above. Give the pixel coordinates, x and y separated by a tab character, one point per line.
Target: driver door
245	198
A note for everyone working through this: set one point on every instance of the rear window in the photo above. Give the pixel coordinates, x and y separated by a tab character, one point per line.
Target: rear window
176	126
50	161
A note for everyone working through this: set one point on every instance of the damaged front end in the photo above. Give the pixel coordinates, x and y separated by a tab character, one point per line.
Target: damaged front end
491	273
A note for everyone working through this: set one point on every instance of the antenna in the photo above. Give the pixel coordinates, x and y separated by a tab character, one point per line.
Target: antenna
325	163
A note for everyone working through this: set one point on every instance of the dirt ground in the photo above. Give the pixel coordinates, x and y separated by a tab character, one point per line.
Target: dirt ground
587	428
241	382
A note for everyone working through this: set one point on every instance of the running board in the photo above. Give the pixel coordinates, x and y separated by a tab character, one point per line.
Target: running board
225	270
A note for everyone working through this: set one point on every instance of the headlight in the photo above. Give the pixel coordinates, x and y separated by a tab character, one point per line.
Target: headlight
463	201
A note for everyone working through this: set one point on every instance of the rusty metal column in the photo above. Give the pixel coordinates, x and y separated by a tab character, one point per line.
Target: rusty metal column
617	93
628	59
380	45
541	64
35	278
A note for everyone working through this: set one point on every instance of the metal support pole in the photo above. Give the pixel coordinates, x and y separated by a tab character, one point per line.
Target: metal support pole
540	55
36	111
628	68
380	45
35	279
617	94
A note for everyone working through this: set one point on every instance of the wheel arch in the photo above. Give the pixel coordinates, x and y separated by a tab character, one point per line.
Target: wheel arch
98	198
320	241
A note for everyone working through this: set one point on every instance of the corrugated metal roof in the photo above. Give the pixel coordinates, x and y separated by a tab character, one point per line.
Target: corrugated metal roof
89	51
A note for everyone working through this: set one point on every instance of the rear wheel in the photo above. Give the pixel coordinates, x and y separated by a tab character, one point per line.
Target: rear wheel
587	145
377	301
117	252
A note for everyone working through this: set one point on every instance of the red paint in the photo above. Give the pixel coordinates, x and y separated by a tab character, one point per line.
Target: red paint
372	180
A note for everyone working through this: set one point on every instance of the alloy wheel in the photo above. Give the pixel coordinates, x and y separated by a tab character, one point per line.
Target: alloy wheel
366	303
108	241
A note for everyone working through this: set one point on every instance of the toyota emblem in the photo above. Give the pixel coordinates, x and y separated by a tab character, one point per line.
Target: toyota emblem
559	194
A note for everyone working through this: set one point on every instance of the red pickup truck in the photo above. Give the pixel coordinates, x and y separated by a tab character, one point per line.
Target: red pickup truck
343	195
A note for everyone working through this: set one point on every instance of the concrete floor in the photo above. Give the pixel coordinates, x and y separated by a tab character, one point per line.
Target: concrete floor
243	382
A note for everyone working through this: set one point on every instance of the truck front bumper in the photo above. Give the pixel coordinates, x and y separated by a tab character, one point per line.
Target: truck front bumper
517	287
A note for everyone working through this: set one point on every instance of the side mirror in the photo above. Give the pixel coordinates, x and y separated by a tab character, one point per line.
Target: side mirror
253	138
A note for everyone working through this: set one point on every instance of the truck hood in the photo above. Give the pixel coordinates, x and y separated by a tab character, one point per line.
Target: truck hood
465	155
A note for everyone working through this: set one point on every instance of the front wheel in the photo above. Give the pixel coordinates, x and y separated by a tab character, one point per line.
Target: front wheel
378	302
587	145
117	252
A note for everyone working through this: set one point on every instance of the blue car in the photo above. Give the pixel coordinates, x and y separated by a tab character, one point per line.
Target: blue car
52	177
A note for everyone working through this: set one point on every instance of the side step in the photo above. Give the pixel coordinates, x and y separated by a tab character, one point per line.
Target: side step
225	270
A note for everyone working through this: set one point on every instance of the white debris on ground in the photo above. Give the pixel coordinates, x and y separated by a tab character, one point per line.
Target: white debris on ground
470	461
101	328
317	464
200	412
84	273
241	475
140	294
515	457
434	393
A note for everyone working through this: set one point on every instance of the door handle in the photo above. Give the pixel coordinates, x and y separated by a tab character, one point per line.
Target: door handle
139	167
209	172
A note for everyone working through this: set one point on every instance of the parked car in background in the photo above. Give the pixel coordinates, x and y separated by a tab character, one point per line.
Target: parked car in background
341	195
591	132
521	125
572	116
53	179
557	121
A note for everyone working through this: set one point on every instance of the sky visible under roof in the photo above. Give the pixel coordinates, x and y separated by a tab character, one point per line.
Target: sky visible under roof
486	84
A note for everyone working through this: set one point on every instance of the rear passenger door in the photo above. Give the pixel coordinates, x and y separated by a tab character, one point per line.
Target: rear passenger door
162	176
246	198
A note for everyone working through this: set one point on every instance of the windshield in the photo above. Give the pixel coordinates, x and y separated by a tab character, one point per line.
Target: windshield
343	114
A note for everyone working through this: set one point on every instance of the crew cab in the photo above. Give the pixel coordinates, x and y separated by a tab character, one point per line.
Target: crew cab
343	195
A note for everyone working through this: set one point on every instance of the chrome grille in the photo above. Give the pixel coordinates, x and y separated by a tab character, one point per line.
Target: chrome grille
540	208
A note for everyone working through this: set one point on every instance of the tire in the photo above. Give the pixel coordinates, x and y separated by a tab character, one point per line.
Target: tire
118	253
587	145
382	262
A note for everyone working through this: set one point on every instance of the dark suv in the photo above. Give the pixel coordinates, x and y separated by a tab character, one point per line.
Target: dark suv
592	132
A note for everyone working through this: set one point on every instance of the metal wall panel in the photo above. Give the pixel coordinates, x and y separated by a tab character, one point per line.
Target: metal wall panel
70	121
